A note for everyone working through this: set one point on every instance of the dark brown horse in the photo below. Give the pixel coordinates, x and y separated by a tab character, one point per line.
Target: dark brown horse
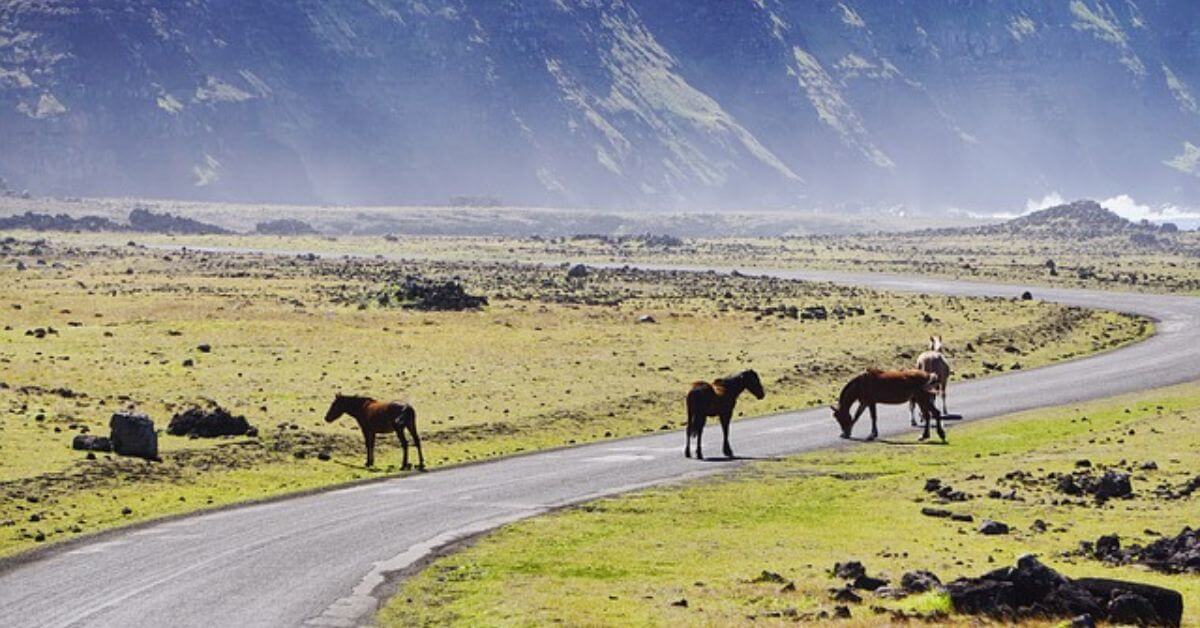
379	417
892	387
717	399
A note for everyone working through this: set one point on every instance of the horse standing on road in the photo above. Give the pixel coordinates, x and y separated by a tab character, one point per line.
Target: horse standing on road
891	387
379	417
933	361
717	399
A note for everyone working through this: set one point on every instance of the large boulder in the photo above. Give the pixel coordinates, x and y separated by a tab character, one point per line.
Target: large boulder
132	434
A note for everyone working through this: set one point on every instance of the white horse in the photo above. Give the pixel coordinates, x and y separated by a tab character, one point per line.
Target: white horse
933	361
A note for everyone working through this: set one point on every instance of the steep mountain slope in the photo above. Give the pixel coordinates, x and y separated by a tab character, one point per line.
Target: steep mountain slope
710	103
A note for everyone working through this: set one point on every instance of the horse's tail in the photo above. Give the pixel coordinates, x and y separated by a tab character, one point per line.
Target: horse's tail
407	418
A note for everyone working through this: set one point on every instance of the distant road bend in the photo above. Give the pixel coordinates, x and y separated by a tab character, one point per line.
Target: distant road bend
321	559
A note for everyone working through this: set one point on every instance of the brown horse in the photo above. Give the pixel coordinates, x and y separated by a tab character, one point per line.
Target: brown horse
379	417
892	387
717	399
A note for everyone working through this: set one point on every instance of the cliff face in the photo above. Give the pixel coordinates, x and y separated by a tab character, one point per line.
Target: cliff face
710	103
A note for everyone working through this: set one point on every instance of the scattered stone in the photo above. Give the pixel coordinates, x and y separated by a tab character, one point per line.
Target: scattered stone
868	583
845	594
1027	296
90	442
646	318
417	293
919	581
935	512
769	576
682	603
849	570
578	271
204	348
966	518
1174	554
841	612
991	527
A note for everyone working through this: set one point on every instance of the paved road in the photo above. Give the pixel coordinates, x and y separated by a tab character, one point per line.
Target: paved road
316	560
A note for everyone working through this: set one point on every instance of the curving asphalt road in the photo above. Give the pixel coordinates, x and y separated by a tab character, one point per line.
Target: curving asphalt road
321	559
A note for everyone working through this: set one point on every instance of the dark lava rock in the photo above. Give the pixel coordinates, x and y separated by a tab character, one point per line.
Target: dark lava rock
417	293
769	576
284	226
1027	296
919	581
682	603
204	348
964	517
578	271
868	583
845	594
132	434
990	527
208	423
1173	554
147	221
60	222
1032	590
1111	484
849	570
1162	607
841	612
90	442
935	512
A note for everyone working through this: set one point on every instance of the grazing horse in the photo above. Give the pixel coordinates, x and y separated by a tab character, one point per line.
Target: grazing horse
933	361
379	417
892	387
717	399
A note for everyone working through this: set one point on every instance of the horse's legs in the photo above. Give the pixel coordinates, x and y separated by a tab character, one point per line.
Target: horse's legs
944	410
874	424
412	428
700	420
369	437
725	431
404	466
857	413
687	444
912	414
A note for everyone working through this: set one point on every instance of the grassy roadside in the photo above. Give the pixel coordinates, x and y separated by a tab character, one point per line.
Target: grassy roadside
629	560
284	334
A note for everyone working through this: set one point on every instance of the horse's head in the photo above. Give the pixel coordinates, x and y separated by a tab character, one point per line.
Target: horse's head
844	420
337	408
935	343
753	384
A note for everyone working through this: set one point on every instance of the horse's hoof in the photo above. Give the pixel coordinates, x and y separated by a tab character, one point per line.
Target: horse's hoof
421	468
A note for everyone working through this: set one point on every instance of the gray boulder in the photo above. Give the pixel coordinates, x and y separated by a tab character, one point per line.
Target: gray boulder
132	434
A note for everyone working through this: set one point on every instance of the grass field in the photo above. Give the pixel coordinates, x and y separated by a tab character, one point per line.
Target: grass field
630	560
551	361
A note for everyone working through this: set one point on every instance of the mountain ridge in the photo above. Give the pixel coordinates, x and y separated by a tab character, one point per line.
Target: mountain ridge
603	103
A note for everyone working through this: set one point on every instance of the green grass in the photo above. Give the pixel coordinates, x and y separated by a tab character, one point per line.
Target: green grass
625	560
550	362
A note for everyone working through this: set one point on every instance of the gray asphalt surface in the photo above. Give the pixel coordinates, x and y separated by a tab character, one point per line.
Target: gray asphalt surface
318	559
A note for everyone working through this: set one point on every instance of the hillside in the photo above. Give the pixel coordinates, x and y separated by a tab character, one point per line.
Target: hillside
1079	220
613	103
